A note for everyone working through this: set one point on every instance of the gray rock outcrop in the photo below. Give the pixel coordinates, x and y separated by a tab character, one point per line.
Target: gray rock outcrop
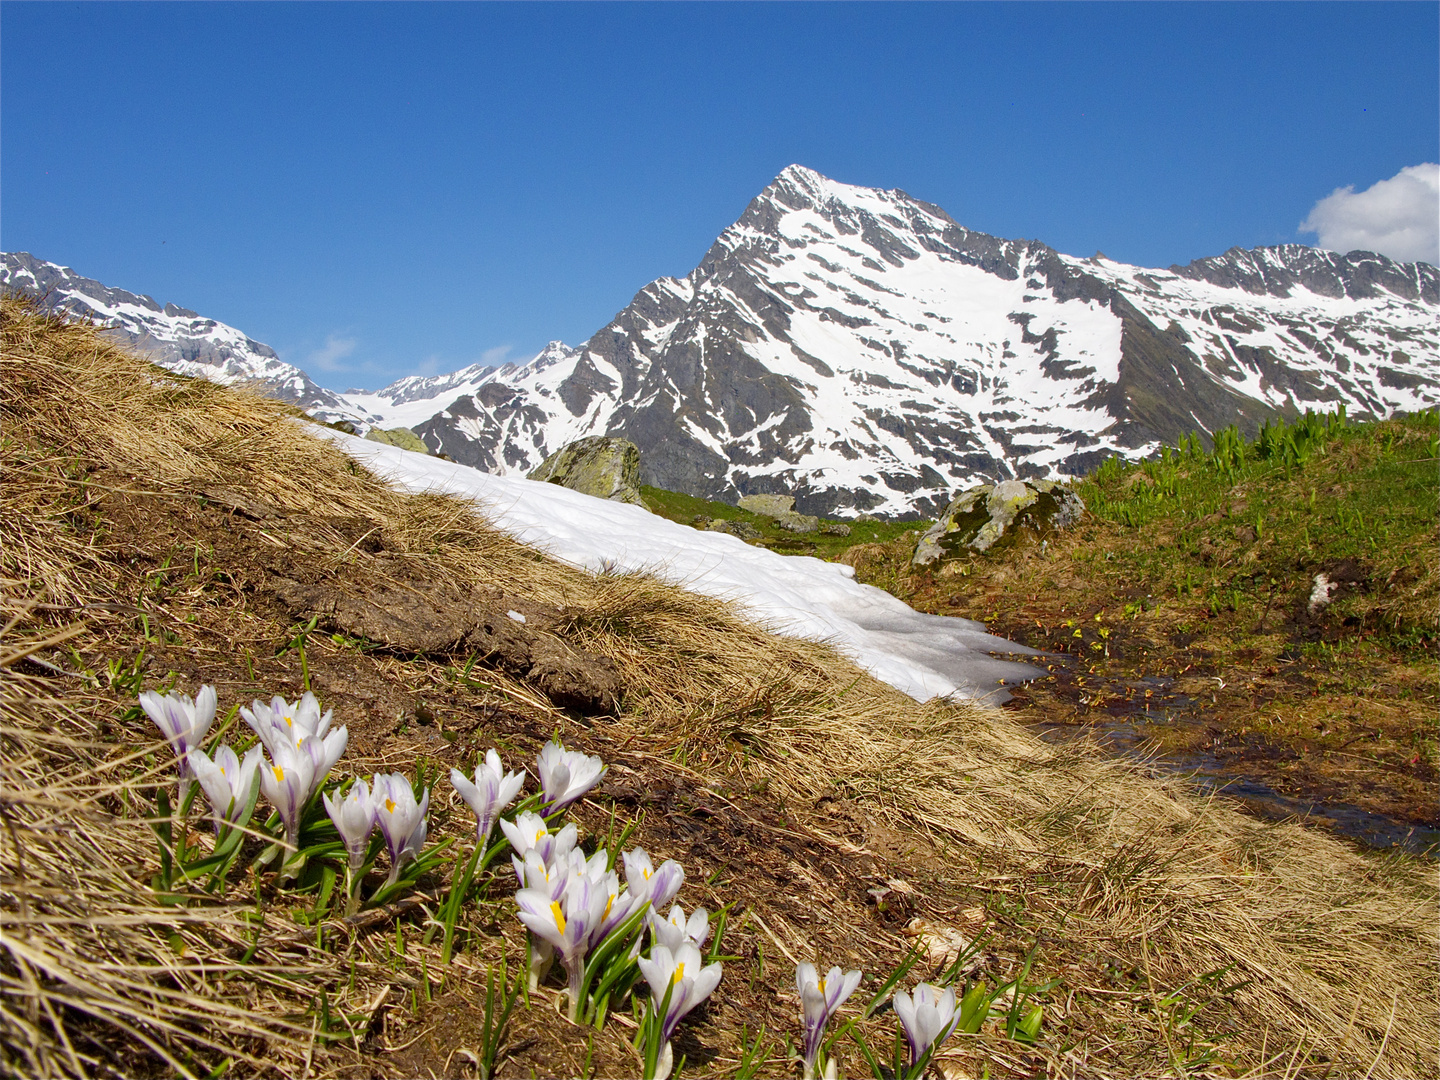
601	466
402	437
998	514
769	505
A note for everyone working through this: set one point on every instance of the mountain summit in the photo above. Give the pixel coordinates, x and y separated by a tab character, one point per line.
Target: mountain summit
860	350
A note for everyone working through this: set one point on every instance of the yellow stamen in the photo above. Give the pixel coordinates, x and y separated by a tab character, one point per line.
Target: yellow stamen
821	984
279	773
559	915
389	806
679	973
608	905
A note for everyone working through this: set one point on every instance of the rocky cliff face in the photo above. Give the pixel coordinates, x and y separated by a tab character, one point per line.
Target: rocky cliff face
860	350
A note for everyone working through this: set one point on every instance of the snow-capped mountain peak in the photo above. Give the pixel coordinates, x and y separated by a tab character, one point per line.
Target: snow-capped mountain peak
859	349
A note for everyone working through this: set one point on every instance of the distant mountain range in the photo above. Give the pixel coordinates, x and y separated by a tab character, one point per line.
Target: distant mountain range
858	349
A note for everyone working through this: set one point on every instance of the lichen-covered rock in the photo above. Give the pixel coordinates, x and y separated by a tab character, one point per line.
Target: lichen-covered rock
834	528
790	521
743	529
402	437
992	515
769	505
605	467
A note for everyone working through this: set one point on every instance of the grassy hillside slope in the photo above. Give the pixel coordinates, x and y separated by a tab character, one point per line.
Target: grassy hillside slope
163	533
1185	604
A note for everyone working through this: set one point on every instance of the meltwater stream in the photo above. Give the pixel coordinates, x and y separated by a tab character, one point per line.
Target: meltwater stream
1127	740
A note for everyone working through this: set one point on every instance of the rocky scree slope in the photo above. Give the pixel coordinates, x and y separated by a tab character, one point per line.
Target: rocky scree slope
861	351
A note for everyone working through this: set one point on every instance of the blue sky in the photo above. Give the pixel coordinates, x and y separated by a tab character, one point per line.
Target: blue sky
377	190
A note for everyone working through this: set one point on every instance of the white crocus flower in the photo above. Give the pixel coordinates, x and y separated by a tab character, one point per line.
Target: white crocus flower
528	832
184	723
284	721
677	930
537	874
401	819
354	818
565	776
567	924
286	781
226	780
655	886
493	790
927	1016
689	980
819	998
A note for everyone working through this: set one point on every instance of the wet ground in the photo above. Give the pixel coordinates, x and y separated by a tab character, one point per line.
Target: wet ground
1132	739
1137	719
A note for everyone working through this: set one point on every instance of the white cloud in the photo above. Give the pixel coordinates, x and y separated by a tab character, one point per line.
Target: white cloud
329	355
1399	217
496	356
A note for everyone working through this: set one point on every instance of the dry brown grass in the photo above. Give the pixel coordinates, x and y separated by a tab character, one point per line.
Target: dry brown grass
1116	870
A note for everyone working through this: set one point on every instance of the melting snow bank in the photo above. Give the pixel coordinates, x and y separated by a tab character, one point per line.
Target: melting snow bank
924	656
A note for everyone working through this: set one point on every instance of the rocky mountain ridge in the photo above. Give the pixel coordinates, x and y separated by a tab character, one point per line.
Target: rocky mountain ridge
175	337
860	350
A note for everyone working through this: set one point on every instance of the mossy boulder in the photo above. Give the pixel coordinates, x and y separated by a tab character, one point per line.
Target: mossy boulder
402	437
768	505
994	516
599	465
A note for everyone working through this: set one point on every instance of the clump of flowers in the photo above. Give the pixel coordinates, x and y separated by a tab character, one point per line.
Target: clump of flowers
819	1000
302	749
575	907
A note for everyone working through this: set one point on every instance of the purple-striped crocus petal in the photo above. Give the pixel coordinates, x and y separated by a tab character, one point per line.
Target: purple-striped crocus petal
927	1017
565	776
354	818
182	721
493	790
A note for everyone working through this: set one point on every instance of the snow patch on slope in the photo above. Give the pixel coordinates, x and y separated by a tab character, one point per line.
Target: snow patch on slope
921	655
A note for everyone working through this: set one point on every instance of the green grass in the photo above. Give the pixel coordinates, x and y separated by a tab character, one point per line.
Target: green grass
688	510
1244	527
